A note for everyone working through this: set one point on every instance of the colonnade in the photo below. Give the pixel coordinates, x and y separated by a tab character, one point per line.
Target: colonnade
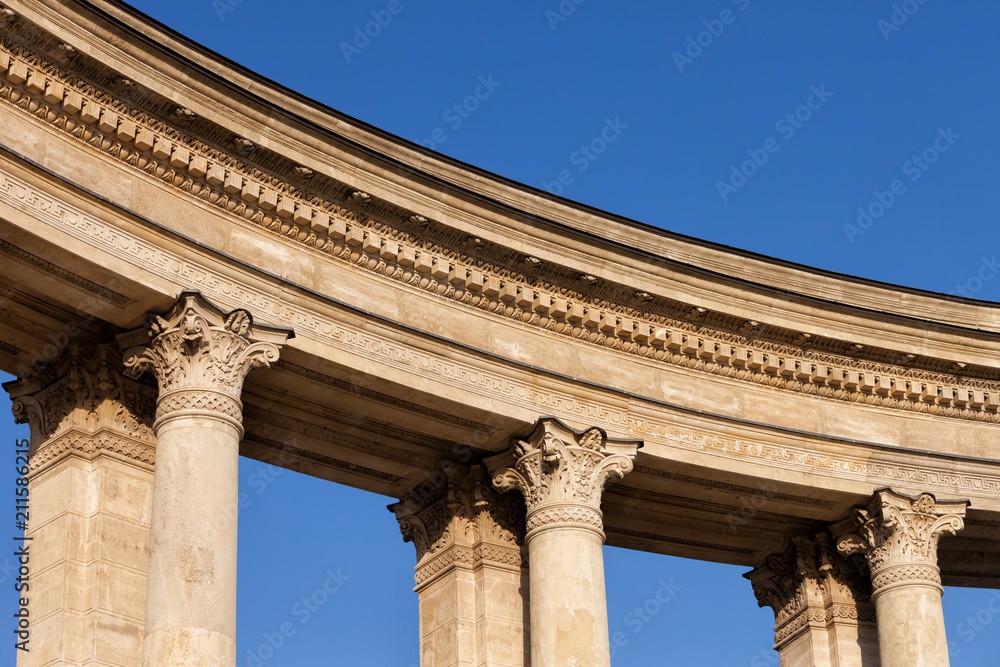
510	569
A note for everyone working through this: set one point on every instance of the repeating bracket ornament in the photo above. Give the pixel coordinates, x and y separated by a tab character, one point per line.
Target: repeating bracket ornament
562	472
201	355
899	535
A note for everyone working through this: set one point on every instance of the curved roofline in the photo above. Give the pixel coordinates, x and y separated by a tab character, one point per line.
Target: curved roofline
503	180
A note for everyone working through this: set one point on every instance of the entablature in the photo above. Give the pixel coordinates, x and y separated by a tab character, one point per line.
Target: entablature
255	186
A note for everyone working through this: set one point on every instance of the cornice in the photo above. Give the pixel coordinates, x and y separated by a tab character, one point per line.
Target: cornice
709	435
265	191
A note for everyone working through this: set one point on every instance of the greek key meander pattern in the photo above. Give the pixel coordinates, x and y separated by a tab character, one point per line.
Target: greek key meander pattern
227	291
356	231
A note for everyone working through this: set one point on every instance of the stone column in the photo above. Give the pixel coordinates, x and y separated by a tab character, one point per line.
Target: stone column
90	486
200	357
823	614
899	535
561	474
471	573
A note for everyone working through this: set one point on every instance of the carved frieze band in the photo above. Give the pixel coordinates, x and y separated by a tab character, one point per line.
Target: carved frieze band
580	515
200	400
350	226
106	237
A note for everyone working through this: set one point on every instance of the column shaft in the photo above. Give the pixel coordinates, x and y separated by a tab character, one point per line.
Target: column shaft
911	629
568	598
899	536
562	473
191	593
200	357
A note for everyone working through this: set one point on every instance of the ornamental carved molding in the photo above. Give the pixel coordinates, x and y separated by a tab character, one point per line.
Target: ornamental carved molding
200	356
883	468
465	524
261	189
562	472
810	585
84	393
90	446
899	534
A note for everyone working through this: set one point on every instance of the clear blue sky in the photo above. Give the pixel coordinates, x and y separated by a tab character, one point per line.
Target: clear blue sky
915	103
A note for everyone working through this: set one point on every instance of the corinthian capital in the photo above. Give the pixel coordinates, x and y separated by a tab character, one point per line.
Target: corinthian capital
81	405
899	536
561	472
201	355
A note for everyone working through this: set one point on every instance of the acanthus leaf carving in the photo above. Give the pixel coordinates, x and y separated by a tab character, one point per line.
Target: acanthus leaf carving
809	584
899	534
200	356
87	393
467	523
562	473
